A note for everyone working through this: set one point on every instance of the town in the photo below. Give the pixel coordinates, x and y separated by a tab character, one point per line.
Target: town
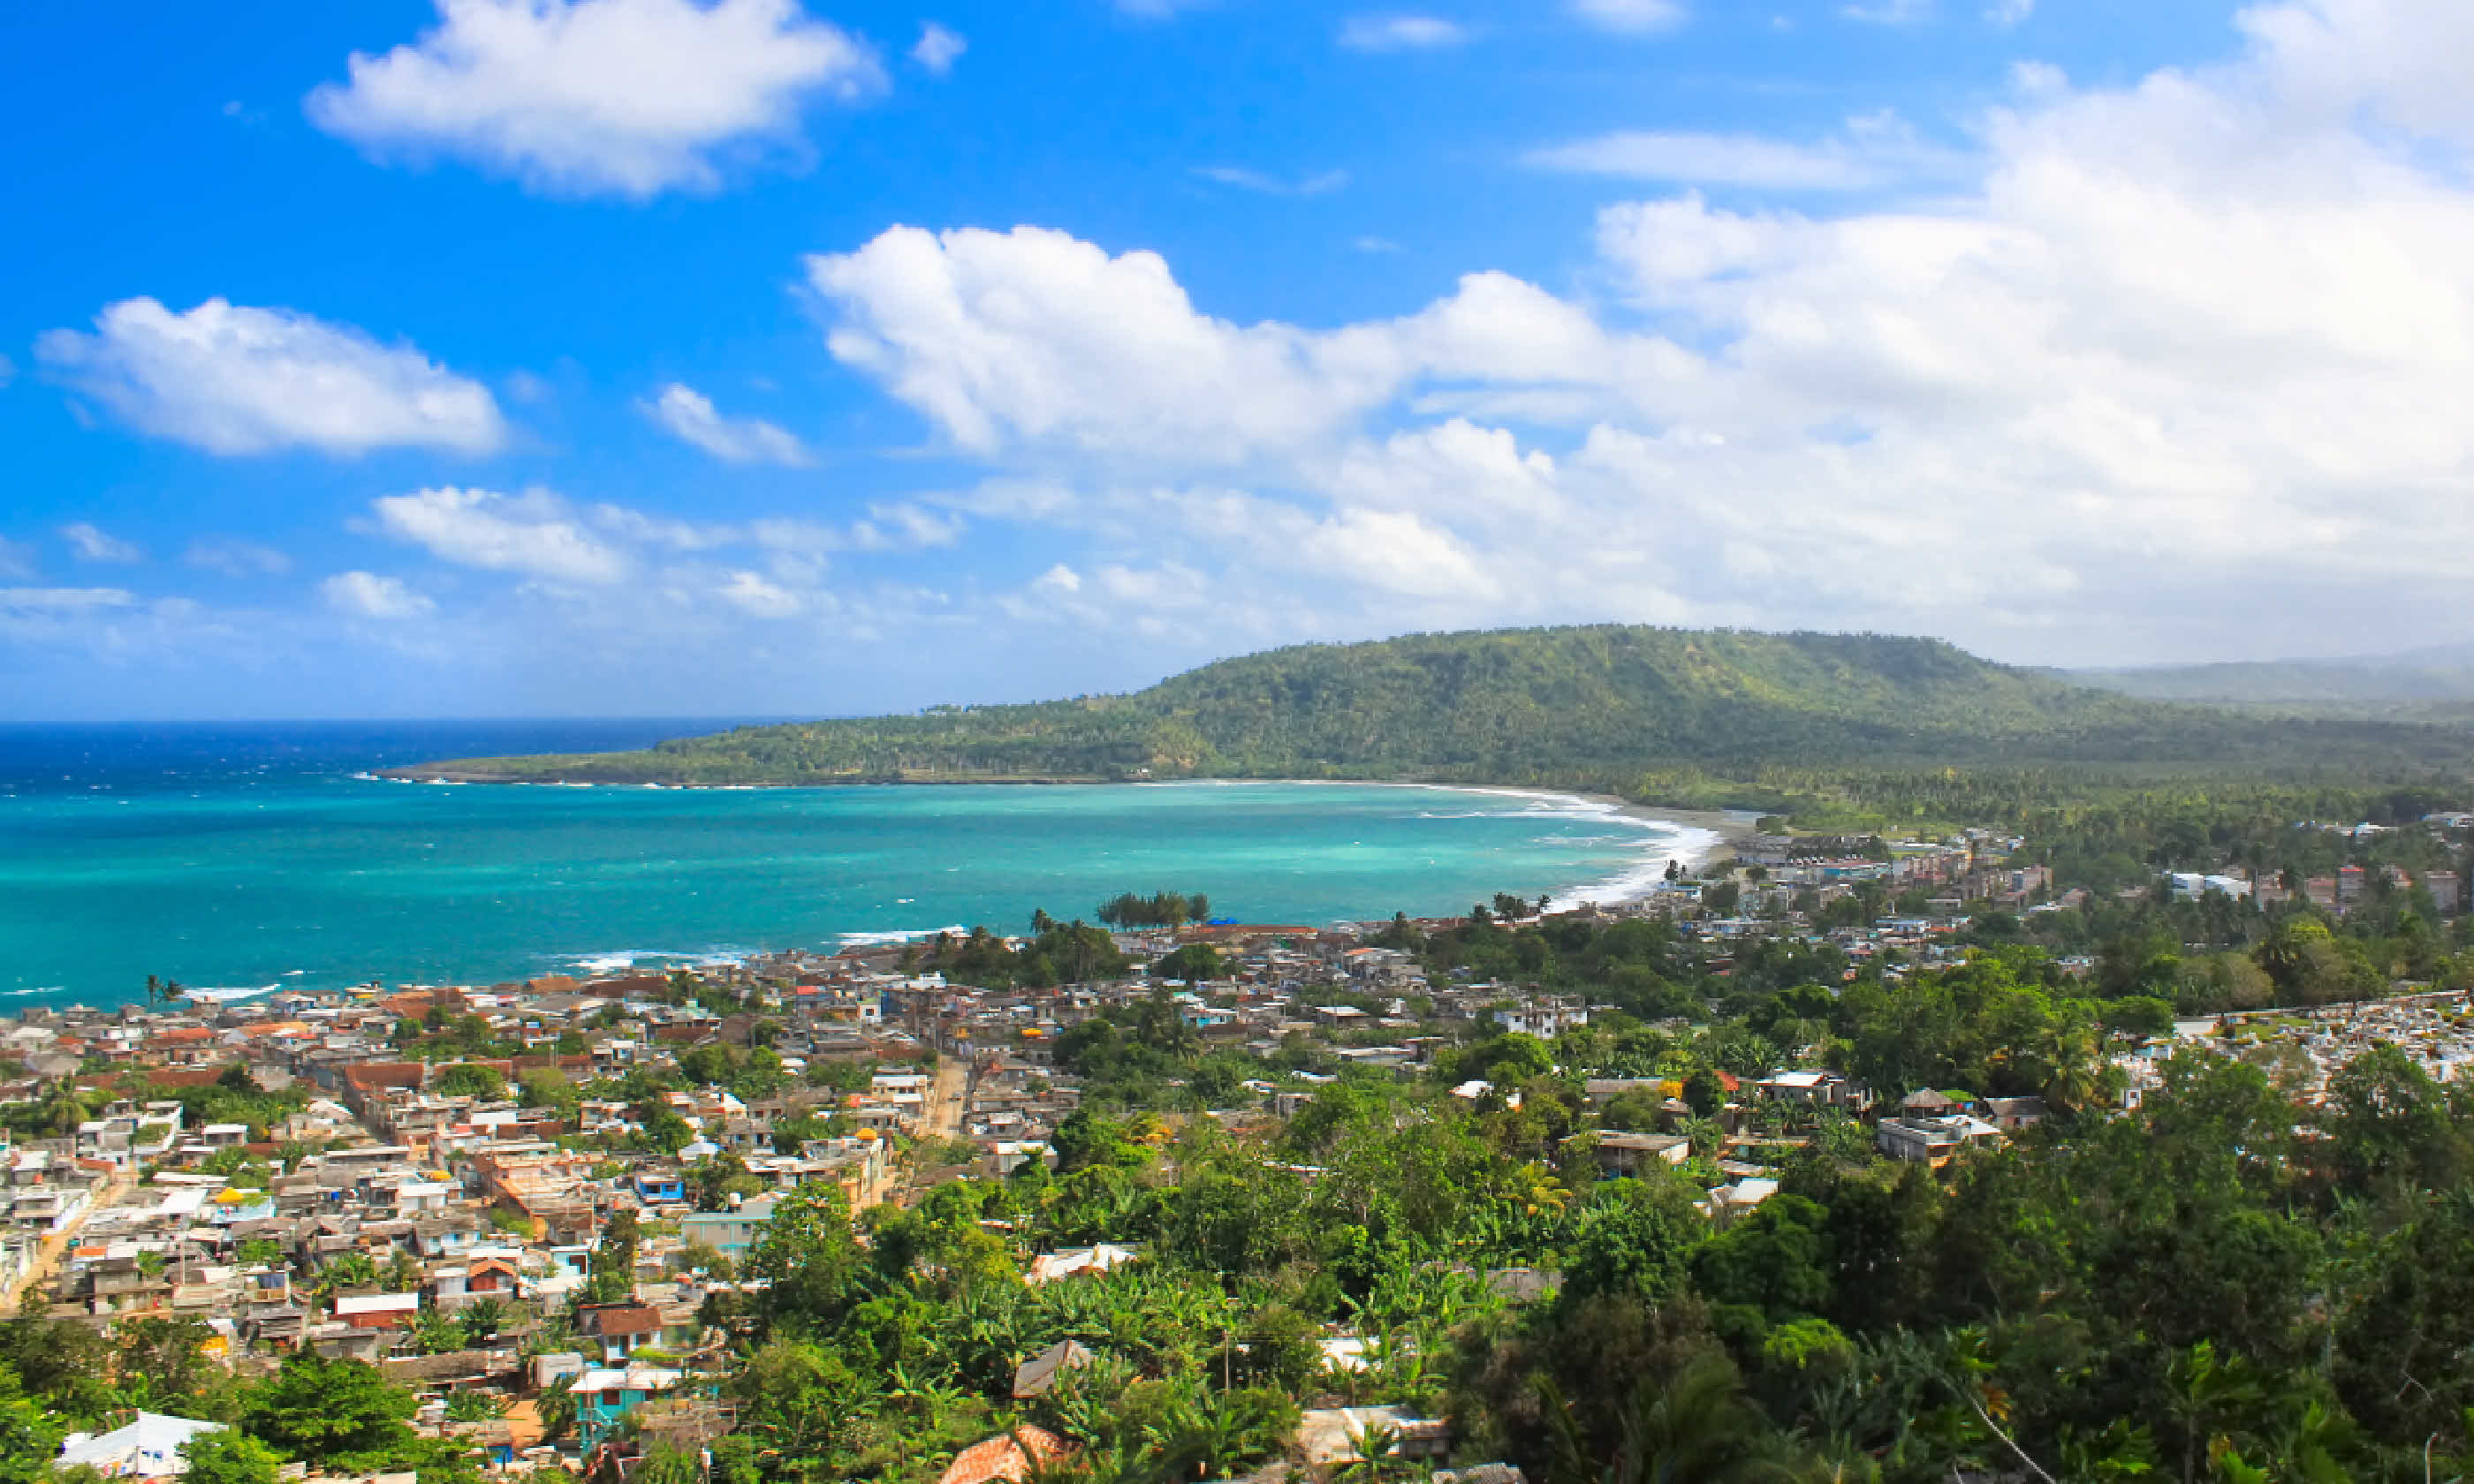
540	1211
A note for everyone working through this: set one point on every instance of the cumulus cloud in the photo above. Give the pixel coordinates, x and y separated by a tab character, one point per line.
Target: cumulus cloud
599	97
2147	355
1632	17
368	595
89	542
233	380
1033	341
1400	33
938	48
689	415
533	534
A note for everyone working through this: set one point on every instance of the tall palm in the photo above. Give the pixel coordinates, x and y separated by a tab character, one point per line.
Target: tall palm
1697	1428
482	1320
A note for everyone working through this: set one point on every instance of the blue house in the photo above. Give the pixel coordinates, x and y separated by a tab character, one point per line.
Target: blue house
605	1396
729	1232
661	1187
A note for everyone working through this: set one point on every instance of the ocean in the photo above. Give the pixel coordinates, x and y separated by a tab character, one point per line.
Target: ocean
240	858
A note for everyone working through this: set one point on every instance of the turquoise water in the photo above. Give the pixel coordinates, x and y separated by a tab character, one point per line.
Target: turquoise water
227	859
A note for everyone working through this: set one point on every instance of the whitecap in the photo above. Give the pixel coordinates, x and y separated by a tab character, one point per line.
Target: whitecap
894	935
222	995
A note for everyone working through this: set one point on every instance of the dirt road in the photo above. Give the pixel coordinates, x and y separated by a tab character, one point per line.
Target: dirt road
945	1097
47	1258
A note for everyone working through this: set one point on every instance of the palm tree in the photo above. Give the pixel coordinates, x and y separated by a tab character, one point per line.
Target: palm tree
1707	1136
482	1320
1371	1458
1697	1428
556	1410
435	1333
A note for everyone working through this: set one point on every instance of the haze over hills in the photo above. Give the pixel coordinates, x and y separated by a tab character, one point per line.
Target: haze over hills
1598	705
2436	684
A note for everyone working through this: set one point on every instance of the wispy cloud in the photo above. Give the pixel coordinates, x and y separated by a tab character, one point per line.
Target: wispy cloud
64	600
1873	151
938	48
368	595
689	415
1890	13
237	559
1400	33
1319	185
1632	17
90	542
2009	13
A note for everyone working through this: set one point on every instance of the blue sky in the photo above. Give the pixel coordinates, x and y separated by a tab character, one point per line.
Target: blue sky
665	357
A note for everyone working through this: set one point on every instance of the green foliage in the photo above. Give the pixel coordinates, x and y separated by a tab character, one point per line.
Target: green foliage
470	1079
230	1456
1679	715
1193	962
324	1412
1161	909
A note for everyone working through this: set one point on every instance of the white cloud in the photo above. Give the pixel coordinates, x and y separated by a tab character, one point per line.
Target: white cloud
2148	356
368	595
533	534
1632	17
2009	13
1035	336
7	370
751	593
89	542
1873	151
691	416
599	97
1157	10
938	48
237	558
233	379
63	600
1319	185
1031	341
16	560
1889	13
1400	33
898	525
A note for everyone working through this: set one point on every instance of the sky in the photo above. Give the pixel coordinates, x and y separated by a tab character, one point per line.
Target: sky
761	357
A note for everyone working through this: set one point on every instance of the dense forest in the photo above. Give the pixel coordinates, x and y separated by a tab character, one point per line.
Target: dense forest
1670	715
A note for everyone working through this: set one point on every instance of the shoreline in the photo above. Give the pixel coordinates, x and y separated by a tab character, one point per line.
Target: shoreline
1630	870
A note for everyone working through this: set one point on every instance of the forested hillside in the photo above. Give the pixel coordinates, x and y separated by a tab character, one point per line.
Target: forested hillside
1648	711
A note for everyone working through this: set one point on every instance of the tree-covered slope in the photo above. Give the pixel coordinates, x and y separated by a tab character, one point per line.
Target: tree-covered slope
1572	706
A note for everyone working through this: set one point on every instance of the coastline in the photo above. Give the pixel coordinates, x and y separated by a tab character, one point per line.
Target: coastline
1730	825
1570	846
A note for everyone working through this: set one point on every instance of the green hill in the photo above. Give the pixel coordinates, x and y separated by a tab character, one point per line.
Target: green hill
1610	707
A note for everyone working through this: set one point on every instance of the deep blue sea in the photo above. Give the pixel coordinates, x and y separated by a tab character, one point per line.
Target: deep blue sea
241	857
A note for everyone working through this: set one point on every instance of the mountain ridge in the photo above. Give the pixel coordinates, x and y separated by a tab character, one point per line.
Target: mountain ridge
1597	706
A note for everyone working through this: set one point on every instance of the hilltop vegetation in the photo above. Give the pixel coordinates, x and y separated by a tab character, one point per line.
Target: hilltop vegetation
1681	716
